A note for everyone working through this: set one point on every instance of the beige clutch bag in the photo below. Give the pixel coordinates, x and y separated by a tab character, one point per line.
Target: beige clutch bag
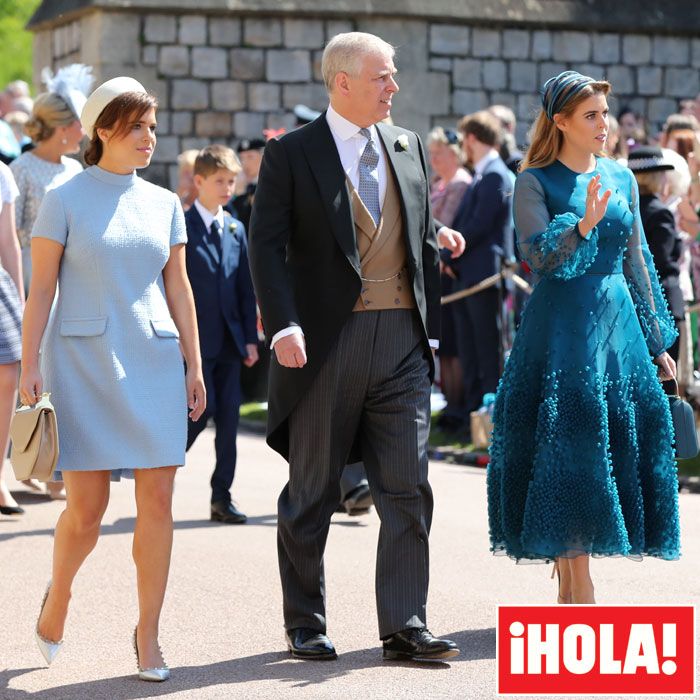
34	434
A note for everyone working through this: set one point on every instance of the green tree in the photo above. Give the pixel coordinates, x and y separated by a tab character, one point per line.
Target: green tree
15	41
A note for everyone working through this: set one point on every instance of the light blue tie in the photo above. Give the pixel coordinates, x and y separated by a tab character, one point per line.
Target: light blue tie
369	177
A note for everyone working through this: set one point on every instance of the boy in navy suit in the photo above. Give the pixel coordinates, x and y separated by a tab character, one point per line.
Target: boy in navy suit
217	265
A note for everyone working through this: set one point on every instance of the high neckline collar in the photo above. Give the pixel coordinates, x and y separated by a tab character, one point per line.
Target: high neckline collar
579	172
112	178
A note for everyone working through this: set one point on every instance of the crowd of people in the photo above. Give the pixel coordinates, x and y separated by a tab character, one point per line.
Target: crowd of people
477	330
347	265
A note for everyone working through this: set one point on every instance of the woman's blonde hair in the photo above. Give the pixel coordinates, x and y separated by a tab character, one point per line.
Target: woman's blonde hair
185	161
449	137
546	138
651	182
49	111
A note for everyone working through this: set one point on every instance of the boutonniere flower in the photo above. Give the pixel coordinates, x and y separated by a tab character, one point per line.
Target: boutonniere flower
401	143
232	227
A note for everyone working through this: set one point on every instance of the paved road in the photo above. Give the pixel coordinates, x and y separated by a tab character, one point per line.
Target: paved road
221	629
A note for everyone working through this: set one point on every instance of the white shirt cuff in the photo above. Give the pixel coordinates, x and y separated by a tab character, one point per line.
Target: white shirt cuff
290	330
435	344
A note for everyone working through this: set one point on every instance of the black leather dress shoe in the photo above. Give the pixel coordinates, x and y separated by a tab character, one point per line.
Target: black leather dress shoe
225	512
358	501
305	643
11	510
418	645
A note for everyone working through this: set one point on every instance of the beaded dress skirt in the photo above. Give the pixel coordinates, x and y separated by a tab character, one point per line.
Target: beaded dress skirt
582	456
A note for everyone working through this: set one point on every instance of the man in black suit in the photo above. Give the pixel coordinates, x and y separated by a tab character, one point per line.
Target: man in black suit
484	218
344	258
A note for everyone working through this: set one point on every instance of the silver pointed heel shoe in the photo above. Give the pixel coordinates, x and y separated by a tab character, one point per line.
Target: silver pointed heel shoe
154	675
48	649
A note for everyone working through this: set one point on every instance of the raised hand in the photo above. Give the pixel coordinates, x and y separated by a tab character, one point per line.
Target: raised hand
595	206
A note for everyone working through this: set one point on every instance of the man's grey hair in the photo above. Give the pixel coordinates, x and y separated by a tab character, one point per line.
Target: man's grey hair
344	53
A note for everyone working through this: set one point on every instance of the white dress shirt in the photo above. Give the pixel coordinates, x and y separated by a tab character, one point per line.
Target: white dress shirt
485	160
208	218
350	144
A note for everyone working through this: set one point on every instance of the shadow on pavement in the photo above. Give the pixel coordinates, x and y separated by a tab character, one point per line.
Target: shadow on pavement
126	525
275	666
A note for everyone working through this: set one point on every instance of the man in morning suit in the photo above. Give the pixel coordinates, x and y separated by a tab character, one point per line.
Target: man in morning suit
217	266
344	259
484	217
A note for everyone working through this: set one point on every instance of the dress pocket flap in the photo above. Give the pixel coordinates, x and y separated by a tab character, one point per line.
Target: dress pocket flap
83	326
165	328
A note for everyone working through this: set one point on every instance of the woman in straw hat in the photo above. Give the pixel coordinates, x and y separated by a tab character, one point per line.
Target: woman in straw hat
111	357
582	461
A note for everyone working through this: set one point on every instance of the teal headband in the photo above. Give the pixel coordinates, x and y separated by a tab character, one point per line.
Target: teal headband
560	89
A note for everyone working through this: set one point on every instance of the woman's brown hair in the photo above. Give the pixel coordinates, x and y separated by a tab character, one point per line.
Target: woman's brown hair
118	115
687	142
547	138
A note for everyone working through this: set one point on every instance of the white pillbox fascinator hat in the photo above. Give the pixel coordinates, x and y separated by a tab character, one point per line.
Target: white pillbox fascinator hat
102	96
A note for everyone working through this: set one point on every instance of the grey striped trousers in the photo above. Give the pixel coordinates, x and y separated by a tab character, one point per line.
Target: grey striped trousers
374	384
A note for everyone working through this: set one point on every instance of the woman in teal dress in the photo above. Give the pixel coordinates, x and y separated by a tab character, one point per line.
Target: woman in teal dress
582	459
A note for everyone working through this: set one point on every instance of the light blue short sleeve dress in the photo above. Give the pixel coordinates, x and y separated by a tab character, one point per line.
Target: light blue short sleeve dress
110	354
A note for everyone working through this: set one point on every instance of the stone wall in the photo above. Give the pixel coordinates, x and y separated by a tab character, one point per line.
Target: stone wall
223	77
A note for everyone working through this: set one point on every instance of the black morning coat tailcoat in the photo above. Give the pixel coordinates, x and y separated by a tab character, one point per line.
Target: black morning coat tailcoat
303	252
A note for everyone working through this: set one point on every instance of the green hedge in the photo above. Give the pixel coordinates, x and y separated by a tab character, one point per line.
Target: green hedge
16	42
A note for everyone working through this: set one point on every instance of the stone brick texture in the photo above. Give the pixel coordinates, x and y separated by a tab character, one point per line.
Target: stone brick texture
224	78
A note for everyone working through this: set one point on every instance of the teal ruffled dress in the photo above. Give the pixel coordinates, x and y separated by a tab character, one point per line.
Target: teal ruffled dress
582	457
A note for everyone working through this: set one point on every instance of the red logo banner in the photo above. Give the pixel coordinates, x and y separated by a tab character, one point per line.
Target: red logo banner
596	650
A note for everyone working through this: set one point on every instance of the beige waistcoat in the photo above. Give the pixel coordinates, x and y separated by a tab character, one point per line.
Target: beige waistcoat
382	250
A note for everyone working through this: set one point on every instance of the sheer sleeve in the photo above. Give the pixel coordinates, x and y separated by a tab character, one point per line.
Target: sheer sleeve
552	247
657	325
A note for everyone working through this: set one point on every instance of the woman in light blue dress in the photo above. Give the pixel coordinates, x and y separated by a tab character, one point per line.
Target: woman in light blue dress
114	243
582	459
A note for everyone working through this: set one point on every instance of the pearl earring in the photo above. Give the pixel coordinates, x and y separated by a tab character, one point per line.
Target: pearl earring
64	141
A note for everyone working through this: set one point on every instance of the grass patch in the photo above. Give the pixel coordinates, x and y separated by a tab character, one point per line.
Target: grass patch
689	467
257	413
254	412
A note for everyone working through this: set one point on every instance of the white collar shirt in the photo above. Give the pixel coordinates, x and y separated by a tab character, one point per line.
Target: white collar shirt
208	218
350	144
483	163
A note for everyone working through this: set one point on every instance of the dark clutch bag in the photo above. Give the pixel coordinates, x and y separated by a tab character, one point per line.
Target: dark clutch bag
683	426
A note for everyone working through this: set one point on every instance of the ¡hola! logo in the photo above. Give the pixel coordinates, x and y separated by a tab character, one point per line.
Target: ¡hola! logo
596	650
